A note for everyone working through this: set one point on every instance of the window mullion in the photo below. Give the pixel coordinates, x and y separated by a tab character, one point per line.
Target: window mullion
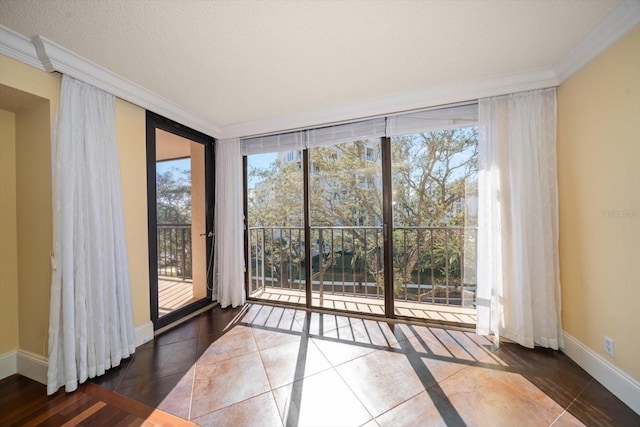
387	227
307	228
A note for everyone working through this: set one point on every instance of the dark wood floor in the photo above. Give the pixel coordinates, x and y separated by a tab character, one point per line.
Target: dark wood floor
269	366
24	402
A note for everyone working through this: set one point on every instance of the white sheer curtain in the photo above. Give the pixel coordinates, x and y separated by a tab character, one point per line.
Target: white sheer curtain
229	225
91	323
518	275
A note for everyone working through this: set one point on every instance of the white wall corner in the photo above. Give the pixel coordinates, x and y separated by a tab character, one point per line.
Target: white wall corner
32	366
8	364
144	333
18	47
618	382
622	19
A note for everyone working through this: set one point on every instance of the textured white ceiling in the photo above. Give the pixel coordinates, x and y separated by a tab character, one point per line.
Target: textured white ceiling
231	62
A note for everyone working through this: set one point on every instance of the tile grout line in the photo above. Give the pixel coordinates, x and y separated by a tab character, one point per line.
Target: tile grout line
355	395
267	377
193	385
126	369
373	418
162	376
286	408
195	367
259	351
401	403
571	403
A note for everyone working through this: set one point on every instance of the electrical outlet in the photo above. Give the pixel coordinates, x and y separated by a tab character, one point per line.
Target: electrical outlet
608	346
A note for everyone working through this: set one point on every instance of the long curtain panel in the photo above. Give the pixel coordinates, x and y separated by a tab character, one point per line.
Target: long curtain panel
518	270
228	286
91	324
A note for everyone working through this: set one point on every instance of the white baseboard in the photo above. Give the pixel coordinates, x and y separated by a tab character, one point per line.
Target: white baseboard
32	366
8	364
24	363
144	333
35	366
625	387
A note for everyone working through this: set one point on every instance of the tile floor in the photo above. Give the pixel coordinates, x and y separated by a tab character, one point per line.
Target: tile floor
269	366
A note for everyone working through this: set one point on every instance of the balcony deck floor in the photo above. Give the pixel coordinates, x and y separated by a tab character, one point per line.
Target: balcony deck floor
462	316
173	294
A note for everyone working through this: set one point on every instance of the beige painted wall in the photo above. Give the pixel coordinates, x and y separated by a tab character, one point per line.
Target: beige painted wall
35	226
599	199
8	235
33	223
27	79
198	221
131	128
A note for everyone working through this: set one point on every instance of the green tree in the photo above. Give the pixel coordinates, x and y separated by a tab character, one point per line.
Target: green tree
275	205
173	210
430	173
173	196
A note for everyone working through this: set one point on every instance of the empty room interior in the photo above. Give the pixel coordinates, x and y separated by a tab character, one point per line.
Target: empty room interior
347	213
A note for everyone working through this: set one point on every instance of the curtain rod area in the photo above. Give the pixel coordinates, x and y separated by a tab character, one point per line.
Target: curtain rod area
361	119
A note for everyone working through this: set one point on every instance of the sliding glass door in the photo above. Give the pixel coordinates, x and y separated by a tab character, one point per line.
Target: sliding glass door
345	205
276	235
434	186
342	218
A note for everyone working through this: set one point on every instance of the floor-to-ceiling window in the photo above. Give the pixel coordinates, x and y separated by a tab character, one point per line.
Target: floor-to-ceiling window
275	219
345	205
397	246
434	204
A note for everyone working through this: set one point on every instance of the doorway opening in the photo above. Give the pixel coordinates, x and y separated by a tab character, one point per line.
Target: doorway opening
180	210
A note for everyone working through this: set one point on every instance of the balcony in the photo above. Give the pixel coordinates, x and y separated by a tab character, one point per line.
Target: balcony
431	280
175	284
173	293
174	251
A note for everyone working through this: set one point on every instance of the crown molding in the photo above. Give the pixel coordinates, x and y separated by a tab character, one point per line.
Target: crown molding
430	97
48	56
18	47
622	19
56	58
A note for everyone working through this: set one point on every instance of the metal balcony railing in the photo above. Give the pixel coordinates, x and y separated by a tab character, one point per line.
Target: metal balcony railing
174	251
429	263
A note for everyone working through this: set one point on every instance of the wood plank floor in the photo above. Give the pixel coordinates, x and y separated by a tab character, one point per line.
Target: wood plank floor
173	294
24	402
